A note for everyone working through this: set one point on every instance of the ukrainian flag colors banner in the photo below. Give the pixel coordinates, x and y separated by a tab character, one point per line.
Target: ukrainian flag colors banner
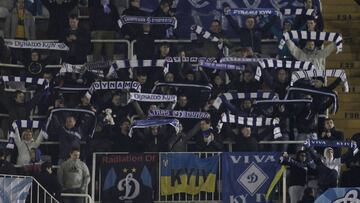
187	173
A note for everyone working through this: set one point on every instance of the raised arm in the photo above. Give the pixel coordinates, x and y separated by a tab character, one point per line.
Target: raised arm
86	177
294	50
327	50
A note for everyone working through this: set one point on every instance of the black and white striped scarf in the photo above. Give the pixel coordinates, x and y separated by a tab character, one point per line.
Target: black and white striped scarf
80	69
178	114
275	63
147	123
33	124
30	80
313	35
125	19
191	59
282	101
226	97
253	121
320	73
133	63
113	85
207	35
297	11
159	84
314	91
145	97
238	60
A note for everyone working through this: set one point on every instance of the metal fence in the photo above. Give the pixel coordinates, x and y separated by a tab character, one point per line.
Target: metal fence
37	193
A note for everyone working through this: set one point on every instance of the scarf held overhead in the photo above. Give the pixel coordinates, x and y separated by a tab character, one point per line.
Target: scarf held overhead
22	124
274	63
178	114
226	97
250	11
147	20
155	122
113	85
30	80
35	44
207	35
295	76
313	35
253	121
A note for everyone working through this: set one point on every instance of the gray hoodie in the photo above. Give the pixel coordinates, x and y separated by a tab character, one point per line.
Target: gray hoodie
74	174
317	57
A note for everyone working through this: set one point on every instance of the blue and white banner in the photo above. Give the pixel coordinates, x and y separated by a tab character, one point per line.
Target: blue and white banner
147	123
30	80
147	20
35	44
113	85
340	195
251	12
14	189
202	12
22	124
246	176
178	114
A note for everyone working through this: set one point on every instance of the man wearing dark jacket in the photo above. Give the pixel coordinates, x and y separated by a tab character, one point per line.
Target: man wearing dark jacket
133	31
298	178
103	25
78	40
5	166
208	140
58	10
159	31
250	36
245	142
330	133
49	181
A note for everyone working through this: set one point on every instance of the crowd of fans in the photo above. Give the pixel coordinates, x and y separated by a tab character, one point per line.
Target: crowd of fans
310	169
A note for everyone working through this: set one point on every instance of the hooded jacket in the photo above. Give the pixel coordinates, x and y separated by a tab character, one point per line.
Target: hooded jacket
317	57
24	147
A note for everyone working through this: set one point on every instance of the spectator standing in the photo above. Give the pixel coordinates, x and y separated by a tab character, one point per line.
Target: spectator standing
330	133
25	144
133	31
78	40
59	10
160	31
103	25
298	178
311	53
250	35
49	181
74	176
5	52
5	166
20	23
245	141
207	140
301	20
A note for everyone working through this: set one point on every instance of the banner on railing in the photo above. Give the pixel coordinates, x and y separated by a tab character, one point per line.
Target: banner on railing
340	195
128	177
187	173
32	44
246	176
14	189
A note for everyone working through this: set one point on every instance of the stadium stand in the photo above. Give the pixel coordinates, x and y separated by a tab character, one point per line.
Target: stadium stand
179	101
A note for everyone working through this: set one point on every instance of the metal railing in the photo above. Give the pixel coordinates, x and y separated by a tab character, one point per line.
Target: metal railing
37	193
85	196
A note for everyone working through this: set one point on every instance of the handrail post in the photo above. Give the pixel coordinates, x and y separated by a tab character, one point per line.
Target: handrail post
93	176
284	186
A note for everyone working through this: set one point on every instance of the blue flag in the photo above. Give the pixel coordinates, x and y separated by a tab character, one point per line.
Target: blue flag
14	189
339	195
247	176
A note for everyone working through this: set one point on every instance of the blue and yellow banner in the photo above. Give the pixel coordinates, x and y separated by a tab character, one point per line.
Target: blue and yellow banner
187	173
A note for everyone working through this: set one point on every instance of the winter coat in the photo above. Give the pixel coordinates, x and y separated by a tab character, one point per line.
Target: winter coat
24	147
11	23
317	57
74	174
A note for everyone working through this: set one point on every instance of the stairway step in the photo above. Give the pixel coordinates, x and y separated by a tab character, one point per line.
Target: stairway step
342	2
347	65
348	133
340	9
346	115
347	124
349	97
344	56
352	89
347	48
353	24
341	16
349	106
